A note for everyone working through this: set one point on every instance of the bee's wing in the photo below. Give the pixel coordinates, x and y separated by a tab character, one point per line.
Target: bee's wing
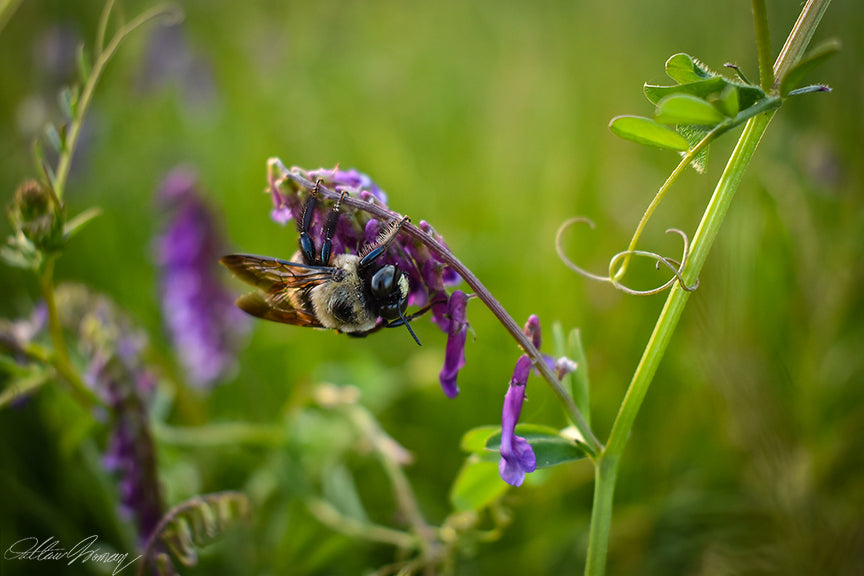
280	283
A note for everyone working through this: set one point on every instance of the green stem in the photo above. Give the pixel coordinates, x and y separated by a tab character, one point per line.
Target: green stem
387	449
61	361
763	45
605	471
327	514
608	461
65	162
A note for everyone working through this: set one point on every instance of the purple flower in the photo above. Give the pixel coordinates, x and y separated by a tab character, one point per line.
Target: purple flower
517	456
428	276
532	331
349	180
203	322
117	373
454	354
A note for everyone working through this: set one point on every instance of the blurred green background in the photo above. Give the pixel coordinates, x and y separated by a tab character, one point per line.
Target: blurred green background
488	120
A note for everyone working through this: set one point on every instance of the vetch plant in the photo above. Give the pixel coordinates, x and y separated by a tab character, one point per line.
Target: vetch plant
403	273
690	115
116	386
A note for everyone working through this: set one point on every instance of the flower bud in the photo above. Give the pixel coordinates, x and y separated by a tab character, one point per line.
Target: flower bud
34	213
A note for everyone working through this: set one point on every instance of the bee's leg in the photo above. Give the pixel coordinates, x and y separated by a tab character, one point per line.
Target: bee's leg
307	247
329	229
384	239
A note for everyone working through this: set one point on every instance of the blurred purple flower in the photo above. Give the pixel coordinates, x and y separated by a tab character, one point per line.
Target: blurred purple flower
454	354
118	374
203	322
171	61
517	456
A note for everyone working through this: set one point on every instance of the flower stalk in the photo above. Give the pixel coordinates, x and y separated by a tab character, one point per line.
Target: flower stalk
593	445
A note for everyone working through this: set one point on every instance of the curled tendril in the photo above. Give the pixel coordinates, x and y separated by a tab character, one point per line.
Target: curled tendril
614	269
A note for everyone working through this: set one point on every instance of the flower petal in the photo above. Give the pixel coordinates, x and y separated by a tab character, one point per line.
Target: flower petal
517	456
454	354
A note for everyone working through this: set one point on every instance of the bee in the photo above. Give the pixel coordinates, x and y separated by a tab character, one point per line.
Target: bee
343	292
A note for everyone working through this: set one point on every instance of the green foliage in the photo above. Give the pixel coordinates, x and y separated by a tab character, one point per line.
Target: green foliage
647	131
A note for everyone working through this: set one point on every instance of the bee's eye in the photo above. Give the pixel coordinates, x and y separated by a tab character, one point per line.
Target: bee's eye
383	281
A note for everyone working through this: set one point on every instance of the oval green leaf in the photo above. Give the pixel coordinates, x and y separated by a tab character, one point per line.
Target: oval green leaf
549	446
646	131
474	440
687	109
477	485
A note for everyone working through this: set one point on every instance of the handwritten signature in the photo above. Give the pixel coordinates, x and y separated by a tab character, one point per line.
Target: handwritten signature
49	549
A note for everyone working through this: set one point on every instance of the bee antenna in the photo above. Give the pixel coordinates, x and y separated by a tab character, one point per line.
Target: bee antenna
408	326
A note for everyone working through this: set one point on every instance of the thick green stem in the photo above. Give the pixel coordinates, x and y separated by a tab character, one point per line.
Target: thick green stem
601	513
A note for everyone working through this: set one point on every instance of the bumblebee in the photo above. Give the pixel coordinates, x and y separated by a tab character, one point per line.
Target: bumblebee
343	292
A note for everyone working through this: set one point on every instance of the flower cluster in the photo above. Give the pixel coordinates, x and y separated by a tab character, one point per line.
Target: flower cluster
517	456
118	374
428	276
203	322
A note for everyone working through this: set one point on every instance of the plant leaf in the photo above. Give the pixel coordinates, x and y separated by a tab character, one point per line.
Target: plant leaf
23	387
474	440
83	61
705	89
684	69
75	224
477	485
582	388
646	131
549	446
727	102
808	62
69	101
694	135
687	109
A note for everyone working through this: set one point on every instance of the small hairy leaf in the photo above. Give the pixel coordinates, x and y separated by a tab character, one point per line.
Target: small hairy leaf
694	135
683	68
807	63
549	446
477	485
646	131
687	109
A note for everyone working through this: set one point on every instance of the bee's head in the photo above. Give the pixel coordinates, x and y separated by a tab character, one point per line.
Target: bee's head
389	287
